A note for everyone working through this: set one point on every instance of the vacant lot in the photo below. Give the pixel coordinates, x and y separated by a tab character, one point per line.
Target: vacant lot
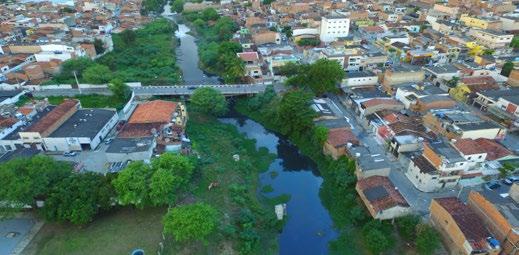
117	232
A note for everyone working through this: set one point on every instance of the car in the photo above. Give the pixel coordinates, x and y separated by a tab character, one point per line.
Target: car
511	180
109	140
70	154
191	87
491	185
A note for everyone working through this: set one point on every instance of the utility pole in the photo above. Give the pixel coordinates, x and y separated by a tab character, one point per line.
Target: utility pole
77	82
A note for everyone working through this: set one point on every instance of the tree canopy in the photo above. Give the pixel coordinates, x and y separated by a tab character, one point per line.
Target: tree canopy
295	112
427	239
177	6
209	101
119	89
377	236
321	76
191	222
97	74
507	68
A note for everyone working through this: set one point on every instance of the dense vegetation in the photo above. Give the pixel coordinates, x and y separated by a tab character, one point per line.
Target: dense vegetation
320	77
145	55
152	6
217	53
309	42
291	116
209	101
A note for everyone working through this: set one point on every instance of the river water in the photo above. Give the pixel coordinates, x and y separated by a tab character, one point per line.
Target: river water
309	227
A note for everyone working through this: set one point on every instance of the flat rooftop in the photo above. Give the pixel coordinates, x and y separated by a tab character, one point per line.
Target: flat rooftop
84	123
130	145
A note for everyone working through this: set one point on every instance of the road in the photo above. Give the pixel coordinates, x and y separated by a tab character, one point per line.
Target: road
418	200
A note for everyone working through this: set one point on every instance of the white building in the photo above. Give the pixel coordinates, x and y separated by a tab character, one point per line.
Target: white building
333	27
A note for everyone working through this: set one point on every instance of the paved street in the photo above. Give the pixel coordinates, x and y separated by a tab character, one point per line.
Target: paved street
418	200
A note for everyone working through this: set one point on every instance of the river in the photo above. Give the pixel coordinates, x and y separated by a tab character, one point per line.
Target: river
309	227
187	54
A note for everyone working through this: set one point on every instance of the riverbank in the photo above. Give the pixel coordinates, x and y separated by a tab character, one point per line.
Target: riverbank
248	223
358	232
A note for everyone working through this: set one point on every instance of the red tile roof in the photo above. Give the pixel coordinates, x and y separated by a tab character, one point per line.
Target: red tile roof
494	150
393	198
157	111
248	56
341	136
53	116
7	122
138	130
379	101
467	220
468	147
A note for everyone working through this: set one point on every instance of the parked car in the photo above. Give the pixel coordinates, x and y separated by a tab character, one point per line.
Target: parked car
511	180
70	154
191	87
109	140
491	185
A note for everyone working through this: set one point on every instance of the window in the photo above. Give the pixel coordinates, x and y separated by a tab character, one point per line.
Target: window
469	158
480	156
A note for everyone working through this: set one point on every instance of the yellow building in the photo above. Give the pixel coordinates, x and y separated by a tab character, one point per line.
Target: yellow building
460	92
480	22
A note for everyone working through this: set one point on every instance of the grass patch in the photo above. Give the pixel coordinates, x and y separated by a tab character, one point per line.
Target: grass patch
91	101
273	174
248	224
117	232
267	189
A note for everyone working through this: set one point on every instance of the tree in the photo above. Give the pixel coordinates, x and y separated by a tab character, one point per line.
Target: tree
321	134
321	76
120	90
295	112
172	173
70	66
97	74
506	169
377	236
507	68
128	36
131	184
427	239
99	46
209	101
488	52
23	181
191	222
290	69
177	6
234	69
78	198
515	42
210	14
407	226
287	30
309	42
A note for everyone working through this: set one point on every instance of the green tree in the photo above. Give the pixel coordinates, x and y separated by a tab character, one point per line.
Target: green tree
177	6
78	198
290	69
309	42
99	46
70	66
488	52
120	90
172	173
377	237
507	68
210	14
427	239
234	69
191	222
209	101
97	74
131	184
128	36
23	181
295	112
287	30
321	134
515	42
407	226
321	76
506	169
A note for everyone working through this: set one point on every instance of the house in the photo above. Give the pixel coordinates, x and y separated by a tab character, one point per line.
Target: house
401	74
455	124
265	37
367	163
459	228
480	22
84	130
333	26
156	125
498	214
429	102
373	105
338	141
440	166
492	39
382	198
252	64
360	79
49	123
405	144
408	94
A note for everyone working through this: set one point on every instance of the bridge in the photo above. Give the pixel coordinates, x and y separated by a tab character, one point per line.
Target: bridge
168	90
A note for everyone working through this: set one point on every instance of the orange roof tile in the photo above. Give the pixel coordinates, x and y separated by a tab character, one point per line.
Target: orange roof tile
157	111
